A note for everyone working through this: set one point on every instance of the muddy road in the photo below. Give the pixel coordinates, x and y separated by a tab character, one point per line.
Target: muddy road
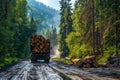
30	71
26	70
76	73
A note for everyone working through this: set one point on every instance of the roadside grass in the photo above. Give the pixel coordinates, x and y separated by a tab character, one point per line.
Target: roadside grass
1	64
66	61
103	59
7	61
63	60
106	55
56	59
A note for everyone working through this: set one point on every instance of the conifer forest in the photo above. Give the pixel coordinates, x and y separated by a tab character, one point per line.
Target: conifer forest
80	36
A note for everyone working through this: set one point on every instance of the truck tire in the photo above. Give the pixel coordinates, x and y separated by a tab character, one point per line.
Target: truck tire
33	60
47	61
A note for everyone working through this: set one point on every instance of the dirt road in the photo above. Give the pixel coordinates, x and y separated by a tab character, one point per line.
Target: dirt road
54	71
88	73
29	71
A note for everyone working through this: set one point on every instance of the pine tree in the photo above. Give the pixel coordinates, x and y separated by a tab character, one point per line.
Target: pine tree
15	31
54	39
95	28
65	26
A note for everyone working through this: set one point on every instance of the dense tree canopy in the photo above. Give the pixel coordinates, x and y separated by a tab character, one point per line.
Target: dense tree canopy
65	26
44	15
96	28
51	34
15	30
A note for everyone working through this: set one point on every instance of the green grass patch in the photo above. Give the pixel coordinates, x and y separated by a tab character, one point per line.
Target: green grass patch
56	59
66	61
105	56
10	60
1	64
62	60
103	59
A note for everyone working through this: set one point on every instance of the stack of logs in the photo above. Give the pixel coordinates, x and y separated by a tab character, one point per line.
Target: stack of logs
91	61
39	44
87	62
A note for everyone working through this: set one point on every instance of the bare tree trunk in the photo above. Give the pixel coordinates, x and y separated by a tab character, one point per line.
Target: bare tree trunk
101	40
117	28
116	40
93	26
97	43
101	35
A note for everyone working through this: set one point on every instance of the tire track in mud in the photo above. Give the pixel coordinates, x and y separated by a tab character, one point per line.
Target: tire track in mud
41	71
78	74
23	73
8	74
30	71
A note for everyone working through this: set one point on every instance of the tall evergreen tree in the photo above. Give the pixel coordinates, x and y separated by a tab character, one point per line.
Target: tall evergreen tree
95	28
15	31
54	39
65	26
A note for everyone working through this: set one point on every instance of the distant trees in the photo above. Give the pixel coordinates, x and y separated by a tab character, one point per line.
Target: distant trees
54	38
65	26
51	34
44	16
15	30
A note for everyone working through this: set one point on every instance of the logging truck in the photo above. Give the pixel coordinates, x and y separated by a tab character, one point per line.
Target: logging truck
40	48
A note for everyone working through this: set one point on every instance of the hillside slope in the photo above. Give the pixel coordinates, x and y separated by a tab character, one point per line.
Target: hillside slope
44	15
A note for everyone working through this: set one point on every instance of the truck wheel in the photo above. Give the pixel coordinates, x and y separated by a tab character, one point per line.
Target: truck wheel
47	61
32	60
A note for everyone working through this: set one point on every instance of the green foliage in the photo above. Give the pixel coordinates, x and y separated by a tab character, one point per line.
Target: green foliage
51	35
15	31
66	61
79	41
44	16
109	51
107	30
58	59
65	26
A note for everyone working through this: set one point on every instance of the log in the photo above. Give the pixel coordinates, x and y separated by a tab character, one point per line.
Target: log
93	58
104	64
87	62
39	44
77	62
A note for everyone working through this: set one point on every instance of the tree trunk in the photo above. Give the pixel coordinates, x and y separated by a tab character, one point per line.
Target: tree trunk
117	28
93	26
